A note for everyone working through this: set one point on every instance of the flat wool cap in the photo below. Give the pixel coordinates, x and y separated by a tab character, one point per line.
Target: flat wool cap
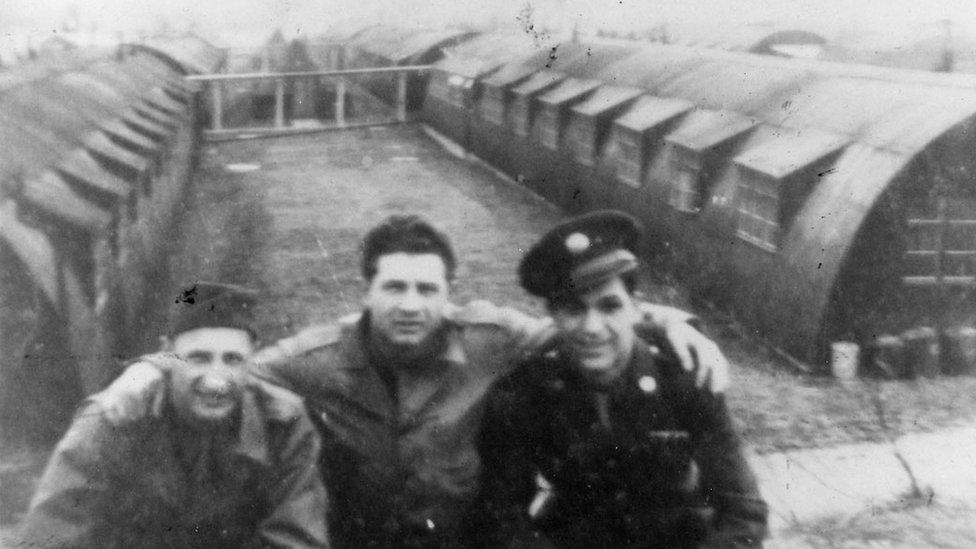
581	253
213	305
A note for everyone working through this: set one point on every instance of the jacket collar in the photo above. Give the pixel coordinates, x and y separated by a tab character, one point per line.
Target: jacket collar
356	345
363	380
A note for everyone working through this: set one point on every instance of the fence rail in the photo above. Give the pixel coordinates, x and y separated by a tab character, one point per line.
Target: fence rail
341	81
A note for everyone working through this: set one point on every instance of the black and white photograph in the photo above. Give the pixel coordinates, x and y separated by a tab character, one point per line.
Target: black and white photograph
649	274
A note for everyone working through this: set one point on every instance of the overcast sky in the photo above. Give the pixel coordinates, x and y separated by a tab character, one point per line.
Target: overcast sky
249	21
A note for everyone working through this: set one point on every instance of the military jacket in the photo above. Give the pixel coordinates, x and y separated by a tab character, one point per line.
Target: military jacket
650	461
401	462
140	485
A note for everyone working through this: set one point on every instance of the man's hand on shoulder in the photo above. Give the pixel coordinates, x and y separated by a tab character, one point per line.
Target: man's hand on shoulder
696	352
139	392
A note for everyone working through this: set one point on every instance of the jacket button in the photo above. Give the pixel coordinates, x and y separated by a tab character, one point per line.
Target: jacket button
647	384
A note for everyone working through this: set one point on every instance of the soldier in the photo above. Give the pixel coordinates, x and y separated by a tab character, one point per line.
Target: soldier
230	461
604	440
399	389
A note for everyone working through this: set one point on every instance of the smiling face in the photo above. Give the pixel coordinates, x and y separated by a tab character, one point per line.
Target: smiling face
206	389
406	298
598	326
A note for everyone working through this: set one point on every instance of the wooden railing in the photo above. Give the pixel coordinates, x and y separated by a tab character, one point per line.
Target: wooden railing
340	80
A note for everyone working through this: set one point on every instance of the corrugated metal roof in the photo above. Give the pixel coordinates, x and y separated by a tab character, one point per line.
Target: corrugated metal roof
481	55
32	247
51	123
864	105
538	82
425	42
80	165
865	123
495	50
744	38
52	194
397	45
821	234
117	129
158	99
648	112
166	121
509	75
701	129
788	150
191	52
570	89
99	143
606	98
146	127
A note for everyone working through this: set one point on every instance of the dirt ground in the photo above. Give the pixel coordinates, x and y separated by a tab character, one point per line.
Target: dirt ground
285	216
911	525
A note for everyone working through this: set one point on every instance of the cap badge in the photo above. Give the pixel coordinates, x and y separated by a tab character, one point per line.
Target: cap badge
647	384
577	243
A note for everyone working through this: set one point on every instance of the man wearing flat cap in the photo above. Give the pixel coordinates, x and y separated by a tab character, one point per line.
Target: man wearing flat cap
229	461
603	440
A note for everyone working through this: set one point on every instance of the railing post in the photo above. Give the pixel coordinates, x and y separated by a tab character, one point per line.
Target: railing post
402	96
279	103
218	105
340	102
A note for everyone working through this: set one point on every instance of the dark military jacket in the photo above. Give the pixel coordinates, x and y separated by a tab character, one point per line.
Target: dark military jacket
399	456
650	461
141	484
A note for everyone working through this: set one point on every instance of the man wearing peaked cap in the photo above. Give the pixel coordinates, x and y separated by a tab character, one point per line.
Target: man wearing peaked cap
581	252
398	391
627	450
227	460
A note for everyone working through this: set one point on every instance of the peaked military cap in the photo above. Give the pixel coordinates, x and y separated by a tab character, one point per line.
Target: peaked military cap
581	253
213	305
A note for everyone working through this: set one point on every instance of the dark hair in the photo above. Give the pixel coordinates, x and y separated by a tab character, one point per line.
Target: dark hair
410	234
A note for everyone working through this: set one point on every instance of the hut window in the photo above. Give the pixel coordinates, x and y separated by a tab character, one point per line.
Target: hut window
582	139
695	151
520	117
439	87
629	158
941	242
774	178
757	203
493	106
549	127
685	193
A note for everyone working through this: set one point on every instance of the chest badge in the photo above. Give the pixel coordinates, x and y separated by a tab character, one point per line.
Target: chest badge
647	384
577	243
